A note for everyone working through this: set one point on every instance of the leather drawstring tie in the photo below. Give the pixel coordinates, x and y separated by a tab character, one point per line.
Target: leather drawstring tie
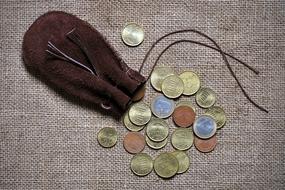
217	48
75	38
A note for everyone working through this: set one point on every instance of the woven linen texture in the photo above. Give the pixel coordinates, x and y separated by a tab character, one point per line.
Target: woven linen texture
48	142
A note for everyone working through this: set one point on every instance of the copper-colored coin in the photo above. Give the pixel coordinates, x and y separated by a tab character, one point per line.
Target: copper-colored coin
205	145
134	142
183	116
139	94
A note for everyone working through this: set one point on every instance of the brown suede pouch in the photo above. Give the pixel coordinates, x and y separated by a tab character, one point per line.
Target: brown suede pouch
111	86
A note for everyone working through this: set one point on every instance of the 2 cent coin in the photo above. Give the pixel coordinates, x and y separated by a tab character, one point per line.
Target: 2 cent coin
134	142
205	145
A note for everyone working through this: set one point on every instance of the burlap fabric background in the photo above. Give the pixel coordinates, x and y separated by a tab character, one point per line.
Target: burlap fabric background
48	142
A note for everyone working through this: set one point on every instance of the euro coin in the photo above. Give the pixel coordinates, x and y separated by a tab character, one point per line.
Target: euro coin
204	127
205	145
155	145
158	75
162	107
182	138
218	115
139	113
107	137
141	164
183	116
157	130
183	160
134	142
191	82
186	103
130	126
205	97
166	165
172	86
132	34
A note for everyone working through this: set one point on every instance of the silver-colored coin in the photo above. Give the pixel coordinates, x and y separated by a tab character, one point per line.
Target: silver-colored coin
162	107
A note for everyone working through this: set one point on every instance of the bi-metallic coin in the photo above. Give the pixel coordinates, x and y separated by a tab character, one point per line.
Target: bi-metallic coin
162	107
204	127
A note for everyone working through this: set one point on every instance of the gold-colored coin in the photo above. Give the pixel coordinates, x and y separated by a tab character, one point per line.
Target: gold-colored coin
186	103
157	129
191	82
218	114
139	113
172	86
141	164
183	160
182	138
130	126
158	75
166	165
107	137
155	145
132	34
205	97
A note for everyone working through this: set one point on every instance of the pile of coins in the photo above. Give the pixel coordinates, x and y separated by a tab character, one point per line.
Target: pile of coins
191	129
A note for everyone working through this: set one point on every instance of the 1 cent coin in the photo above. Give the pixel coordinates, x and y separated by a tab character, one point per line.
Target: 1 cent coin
183	116
205	145
134	142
